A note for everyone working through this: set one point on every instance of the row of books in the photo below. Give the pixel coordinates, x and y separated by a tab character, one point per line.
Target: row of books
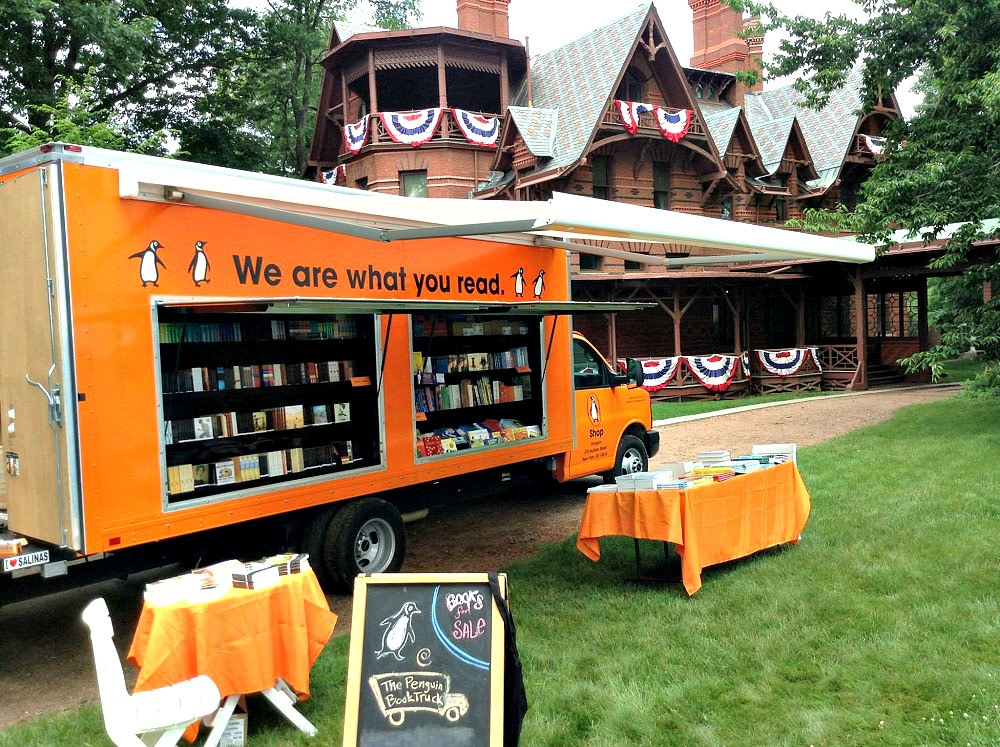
225	424
471	393
475	435
341	327
221	378
185	478
428	327
462	362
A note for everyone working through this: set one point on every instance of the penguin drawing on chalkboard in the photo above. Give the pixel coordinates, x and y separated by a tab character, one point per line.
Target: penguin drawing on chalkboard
398	631
148	270
199	264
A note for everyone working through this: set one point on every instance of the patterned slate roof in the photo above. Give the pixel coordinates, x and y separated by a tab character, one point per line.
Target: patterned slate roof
771	136
827	132
537	127
721	125
577	80
346	29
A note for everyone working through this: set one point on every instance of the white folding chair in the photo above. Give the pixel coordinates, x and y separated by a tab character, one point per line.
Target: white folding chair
785	450
155	717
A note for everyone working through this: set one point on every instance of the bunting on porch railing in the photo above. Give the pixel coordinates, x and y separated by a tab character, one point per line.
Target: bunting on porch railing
629	111
356	134
658	372
875	145
787	362
476	128
745	360
714	372
673	125
411	128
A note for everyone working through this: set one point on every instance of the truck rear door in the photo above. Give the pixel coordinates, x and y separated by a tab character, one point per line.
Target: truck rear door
36	484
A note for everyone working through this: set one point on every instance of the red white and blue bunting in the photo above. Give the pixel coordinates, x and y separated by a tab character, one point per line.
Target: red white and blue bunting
745	360
659	372
411	128
875	145
787	362
476	128
629	111
337	175
356	134
714	372
673	125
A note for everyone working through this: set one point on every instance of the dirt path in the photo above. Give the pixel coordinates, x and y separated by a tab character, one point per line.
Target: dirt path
45	652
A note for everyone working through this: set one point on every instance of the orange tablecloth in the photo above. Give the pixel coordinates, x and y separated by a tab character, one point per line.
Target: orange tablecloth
707	524
244	640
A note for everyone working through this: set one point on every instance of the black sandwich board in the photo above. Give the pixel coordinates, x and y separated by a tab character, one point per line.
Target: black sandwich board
426	662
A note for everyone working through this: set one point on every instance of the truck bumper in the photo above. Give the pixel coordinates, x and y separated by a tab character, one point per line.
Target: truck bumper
653	439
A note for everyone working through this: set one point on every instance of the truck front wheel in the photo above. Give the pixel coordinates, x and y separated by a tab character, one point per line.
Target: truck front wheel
364	536
631	458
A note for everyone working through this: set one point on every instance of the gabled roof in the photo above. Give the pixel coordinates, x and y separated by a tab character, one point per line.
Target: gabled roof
771	136
577	80
726	125
721	125
537	128
826	131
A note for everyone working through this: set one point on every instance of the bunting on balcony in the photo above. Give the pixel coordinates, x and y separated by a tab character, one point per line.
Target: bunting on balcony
787	362
875	145
476	128
336	175
356	134
629	111
714	372
411	128
745	360
673	125
658	372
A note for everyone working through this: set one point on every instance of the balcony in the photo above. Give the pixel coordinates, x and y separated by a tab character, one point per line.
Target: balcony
647	123
447	133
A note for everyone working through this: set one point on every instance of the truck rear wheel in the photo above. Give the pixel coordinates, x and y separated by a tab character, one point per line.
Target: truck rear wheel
365	536
631	458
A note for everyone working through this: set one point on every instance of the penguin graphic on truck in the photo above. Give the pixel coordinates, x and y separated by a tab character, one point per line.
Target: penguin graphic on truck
148	270
200	265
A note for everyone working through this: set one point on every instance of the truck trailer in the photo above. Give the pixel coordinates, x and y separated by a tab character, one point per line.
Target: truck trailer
195	359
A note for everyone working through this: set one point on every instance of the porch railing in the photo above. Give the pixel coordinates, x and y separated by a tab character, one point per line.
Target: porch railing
647	122
450	133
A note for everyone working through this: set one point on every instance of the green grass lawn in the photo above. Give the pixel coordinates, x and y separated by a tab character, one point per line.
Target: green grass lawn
664	410
881	627
962	369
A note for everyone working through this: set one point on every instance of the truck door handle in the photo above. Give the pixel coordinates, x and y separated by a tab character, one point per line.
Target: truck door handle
54	399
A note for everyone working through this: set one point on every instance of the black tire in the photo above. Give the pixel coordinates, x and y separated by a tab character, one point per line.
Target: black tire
631	458
364	536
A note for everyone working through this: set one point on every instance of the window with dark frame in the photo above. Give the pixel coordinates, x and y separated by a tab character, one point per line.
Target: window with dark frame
600	175
413	183
631	87
361	183
661	185
726	208
780	210
633	266
590	262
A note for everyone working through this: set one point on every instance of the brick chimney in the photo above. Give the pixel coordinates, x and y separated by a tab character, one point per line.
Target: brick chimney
484	16
754	34
718	46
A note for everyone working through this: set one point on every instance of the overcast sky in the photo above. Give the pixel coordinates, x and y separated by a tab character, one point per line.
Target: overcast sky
551	23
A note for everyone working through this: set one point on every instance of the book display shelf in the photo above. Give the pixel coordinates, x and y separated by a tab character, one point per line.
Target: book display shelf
476	381
251	399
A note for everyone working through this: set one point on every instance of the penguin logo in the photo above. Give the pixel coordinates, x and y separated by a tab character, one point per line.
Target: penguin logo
398	631
519	282
200	265
148	270
593	410
539	284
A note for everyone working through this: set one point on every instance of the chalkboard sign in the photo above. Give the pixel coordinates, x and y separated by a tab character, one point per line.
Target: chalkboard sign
426	662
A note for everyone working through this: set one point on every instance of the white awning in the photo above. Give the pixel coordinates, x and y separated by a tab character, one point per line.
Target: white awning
389	218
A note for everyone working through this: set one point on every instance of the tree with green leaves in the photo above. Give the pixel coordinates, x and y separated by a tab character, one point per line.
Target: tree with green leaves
266	108
943	164
145	61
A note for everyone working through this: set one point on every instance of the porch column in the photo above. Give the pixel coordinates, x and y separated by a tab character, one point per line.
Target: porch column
735	309
923	326
442	91
613	340
372	93
800	320
860	332
677	321
504	85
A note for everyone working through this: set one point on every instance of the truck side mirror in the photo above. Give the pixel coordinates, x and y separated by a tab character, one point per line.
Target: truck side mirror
634	372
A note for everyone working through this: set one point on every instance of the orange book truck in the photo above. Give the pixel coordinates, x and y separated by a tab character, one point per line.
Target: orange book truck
211	356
